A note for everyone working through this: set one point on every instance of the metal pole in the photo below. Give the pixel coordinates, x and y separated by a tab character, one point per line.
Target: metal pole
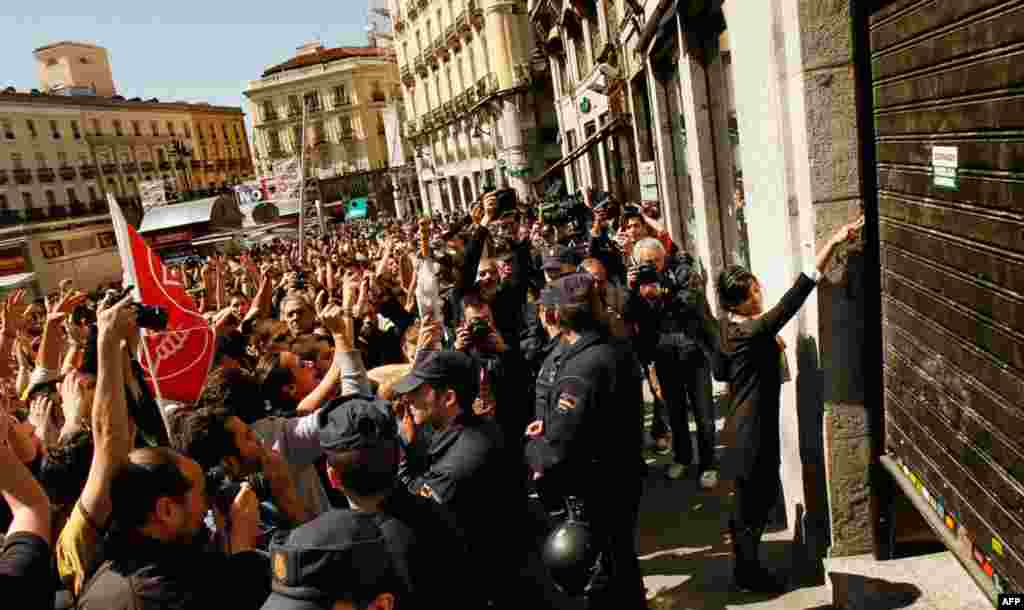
302	186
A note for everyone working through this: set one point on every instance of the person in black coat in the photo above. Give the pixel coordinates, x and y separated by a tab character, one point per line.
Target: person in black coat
755	359
587	435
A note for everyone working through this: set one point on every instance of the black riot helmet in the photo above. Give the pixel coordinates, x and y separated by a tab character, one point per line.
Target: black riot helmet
571	552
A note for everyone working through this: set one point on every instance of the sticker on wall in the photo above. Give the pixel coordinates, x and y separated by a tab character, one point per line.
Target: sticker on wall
945	163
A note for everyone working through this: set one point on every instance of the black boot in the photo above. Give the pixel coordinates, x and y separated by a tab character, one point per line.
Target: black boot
748	573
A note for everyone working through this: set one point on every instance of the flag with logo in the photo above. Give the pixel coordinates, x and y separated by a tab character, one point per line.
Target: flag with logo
175	360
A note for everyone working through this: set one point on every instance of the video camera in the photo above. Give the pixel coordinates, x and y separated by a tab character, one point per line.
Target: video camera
479	329
150	317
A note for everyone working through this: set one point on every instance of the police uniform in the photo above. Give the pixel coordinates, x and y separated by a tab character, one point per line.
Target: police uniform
591	446
468	469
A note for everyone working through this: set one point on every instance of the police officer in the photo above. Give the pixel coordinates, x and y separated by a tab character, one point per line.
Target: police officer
467	468
585	444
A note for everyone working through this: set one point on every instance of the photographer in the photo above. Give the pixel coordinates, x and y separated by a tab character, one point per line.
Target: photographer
667	304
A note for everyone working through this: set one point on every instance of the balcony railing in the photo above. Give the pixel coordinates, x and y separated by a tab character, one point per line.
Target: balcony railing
276	152
476	13
406	73
270	116
294	113
420	64
46	175
348	134
129	168
429	57
67	173
197	164
109	168
165	166
422	4
4	177
462	22
22	176
88	172
147	166
451	35
411	9
440	48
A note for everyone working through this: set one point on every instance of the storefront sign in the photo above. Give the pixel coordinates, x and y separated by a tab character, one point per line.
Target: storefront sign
168	238
945	161
52	249
106	239
12	261
648	181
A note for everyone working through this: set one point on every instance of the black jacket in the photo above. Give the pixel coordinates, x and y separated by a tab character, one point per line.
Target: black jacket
590	398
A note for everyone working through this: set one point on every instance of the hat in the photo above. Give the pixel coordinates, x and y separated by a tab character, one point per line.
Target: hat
446	368
556	256
341	555
356	423
574	289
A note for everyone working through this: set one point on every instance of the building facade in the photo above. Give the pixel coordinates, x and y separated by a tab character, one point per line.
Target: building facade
67	145
580	41
345	92
479	105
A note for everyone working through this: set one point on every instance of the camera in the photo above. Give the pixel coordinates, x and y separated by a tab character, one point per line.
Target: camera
479	329
646	274
150	317
556	213
300	280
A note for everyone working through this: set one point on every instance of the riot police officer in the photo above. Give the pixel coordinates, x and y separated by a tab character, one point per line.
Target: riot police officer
585	444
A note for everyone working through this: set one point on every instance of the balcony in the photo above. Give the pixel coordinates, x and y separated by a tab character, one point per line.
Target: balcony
420	64
165	166
476	14
313	109
109	168
451	35
340	102
276	152
430	58
407	74
22	176
295	113
46	175
463	24
439	48
148	167
270	116
129	168
88	172
348	134
428	121
67	173
4	178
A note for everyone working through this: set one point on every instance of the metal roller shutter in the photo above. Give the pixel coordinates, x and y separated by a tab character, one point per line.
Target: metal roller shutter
948	85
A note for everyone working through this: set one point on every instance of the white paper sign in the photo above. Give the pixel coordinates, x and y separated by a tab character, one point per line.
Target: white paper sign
945	161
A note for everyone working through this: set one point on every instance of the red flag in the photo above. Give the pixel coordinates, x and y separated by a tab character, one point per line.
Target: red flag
177	359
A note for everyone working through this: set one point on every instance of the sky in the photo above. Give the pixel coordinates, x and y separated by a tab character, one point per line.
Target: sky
187	50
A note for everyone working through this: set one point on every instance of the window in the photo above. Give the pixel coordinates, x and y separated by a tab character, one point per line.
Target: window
32	128
51	198
26	198
136	128
97	129
92	194
16	161
170	128
41	160
155	126
8	128
75	133
55	130
72	195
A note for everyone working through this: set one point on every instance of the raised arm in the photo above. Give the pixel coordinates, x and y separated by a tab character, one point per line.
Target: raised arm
24	496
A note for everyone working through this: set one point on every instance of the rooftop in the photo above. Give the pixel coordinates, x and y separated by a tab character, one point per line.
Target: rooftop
322	56
10	95
67	42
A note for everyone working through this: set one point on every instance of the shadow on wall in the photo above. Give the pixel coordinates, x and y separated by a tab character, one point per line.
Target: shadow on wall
812	527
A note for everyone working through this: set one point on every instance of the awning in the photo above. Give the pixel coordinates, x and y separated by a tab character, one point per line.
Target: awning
222	210
16	280
618	121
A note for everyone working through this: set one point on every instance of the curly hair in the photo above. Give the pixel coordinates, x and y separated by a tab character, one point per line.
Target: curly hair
203	435
734	284
235	391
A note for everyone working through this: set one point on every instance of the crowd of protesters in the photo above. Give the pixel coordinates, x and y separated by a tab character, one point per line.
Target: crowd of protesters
429	413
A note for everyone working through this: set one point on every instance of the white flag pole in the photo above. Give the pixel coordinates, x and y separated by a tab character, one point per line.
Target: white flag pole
124	248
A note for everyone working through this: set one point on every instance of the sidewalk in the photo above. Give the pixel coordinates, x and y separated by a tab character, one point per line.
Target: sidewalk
686	559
